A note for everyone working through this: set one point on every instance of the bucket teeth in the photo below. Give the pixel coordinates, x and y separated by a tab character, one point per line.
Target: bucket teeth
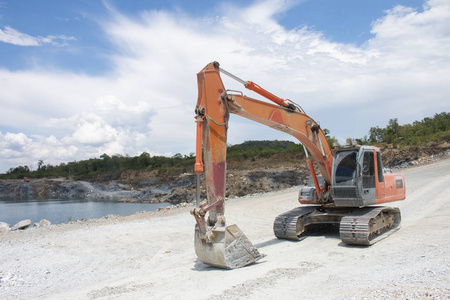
228	249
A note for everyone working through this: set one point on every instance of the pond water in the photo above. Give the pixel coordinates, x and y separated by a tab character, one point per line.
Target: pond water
66	210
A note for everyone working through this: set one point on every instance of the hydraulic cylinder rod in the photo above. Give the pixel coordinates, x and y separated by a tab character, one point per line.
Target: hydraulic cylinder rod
257	89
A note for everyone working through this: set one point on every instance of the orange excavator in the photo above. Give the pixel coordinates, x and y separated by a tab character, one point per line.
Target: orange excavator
351	184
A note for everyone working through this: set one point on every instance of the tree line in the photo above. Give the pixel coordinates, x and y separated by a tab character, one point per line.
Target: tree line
435	129
106	164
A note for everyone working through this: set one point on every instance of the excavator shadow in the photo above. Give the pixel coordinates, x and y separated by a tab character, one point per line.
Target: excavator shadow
344	245
329	231
268	243
203	267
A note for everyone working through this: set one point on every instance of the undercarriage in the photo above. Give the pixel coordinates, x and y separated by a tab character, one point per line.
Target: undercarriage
357	226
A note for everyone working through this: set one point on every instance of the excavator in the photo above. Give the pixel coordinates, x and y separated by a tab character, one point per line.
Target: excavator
347	193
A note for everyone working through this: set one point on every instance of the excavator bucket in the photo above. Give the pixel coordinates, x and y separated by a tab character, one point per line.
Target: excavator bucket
227	248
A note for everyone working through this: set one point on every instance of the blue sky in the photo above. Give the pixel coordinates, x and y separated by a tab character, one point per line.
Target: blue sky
345	21
83	78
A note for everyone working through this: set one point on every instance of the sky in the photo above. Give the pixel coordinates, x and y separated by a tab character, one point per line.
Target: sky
87	77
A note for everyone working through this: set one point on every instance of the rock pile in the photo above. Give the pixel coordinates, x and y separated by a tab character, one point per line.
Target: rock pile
22	225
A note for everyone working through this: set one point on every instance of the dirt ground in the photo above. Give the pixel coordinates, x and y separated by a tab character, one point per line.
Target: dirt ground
151	255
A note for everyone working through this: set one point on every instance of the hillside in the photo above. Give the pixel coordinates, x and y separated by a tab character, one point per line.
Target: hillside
245	175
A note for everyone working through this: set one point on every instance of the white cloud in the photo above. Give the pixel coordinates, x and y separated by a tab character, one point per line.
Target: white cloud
119	114
16	141
94	133
147	102
13	145
12	36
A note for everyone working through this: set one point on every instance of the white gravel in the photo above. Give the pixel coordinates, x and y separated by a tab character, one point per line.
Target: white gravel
151	255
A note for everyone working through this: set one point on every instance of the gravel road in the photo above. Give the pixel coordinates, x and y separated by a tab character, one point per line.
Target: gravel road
151	255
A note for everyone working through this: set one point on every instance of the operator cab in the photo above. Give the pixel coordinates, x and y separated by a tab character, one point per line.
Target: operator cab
356	172
355	175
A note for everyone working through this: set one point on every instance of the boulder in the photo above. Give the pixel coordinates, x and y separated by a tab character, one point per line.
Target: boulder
22	225
4	227
45	222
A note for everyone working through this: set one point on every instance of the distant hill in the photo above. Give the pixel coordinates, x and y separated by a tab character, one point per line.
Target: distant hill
275	153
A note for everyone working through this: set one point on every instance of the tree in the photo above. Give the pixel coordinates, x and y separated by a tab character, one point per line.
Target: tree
376	134
333	142
144	160
391	134
362	141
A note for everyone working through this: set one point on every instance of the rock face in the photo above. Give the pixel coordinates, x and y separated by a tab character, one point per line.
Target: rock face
154	187
62	189
244	182
22	225
398	158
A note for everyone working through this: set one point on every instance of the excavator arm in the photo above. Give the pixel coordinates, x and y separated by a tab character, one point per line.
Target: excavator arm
214	238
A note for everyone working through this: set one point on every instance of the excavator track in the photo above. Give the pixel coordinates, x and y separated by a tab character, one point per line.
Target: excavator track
289	225
366	226
357	226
